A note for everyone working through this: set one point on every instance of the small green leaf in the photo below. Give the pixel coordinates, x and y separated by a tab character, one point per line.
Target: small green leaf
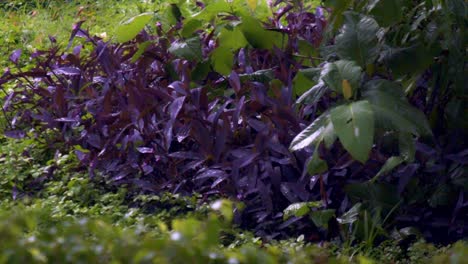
334	73
389	165
354	126
299	209
316	165
130	28
141	48
351	215
322	217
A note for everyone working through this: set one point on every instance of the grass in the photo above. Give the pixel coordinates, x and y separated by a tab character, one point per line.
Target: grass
29	26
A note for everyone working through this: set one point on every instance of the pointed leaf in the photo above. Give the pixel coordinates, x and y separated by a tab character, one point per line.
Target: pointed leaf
311	134
392	110
335	73
358	39
189	49
322	217
130	28
316	165
389	165
354	125
222	60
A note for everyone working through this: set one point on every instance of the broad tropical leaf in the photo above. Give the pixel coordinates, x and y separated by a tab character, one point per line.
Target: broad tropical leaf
334	73
358	39
392	110
354	125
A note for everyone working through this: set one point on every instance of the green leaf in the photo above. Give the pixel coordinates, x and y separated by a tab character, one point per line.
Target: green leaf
392	110
222	60
338	7
299	209
190	26
262	76
311	134
322	217
130	28
389	165
386	12
314	94
351	215
407	60
302	82
358	39
201	70
189	49
376	195
354	126
334	73
316	165
259	37
212	10
141	48
232	38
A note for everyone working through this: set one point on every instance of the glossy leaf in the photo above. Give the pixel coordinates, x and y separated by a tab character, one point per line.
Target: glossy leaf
311	134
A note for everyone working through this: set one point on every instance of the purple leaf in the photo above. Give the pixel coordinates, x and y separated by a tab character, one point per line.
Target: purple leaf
145	150
17	134
15	55
71	71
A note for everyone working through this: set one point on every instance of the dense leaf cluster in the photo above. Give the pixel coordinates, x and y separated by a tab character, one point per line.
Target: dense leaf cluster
202	98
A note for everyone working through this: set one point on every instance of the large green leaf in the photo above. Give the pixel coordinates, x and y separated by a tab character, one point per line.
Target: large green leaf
232	38
334	73
312	134
354	125
407	60
358	39
259	37
189	49
130	28
386	12
305	79
392	110
222	60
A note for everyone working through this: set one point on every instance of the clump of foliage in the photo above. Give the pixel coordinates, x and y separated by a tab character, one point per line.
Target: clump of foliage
201	98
